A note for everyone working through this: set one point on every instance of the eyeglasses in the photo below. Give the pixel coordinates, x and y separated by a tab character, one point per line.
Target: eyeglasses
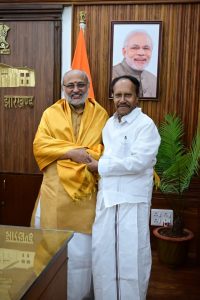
79	85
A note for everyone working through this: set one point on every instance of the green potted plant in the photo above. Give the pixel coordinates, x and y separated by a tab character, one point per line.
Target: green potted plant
176	165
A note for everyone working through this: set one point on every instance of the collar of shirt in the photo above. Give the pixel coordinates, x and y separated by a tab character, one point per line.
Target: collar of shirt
77	111
130	117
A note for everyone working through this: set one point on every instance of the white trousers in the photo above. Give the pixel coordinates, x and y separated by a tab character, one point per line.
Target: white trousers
79	266
121	257
79	263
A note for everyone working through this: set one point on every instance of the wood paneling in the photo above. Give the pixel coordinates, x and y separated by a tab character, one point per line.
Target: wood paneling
17	198
36	44
174	284
80	2
180	60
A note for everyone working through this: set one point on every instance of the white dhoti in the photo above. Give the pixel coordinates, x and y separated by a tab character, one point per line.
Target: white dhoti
79	263
121	251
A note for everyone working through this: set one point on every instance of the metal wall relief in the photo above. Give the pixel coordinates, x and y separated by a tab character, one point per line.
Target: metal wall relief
18	101
4	45
16	77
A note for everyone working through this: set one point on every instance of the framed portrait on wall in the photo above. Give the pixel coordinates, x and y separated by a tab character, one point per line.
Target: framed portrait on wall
135	50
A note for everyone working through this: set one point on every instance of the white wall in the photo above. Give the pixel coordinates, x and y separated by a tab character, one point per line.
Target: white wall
66	39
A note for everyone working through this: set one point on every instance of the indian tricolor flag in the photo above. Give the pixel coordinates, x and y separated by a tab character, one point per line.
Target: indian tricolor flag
80	60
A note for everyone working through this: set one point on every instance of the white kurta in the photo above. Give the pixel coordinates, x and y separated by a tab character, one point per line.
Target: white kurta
121	244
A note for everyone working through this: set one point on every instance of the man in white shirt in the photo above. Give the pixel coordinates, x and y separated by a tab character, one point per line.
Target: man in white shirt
120	236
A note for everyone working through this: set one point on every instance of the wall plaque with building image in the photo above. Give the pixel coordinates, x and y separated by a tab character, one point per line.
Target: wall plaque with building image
16	76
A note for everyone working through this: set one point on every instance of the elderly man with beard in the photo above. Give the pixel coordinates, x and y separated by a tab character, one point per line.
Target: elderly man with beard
120	236
137	52
68	136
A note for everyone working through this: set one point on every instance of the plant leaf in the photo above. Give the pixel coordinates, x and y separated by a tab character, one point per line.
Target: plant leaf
175	164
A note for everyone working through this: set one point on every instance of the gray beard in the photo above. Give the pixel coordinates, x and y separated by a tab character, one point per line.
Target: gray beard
74	102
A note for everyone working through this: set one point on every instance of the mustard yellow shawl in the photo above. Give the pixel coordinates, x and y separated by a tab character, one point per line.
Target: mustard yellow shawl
55	137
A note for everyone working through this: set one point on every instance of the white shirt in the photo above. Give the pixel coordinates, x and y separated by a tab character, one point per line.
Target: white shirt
126	167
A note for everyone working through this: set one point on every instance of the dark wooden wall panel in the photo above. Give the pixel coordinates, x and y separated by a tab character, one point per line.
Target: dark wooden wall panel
18	193
35	42
180	72
32	45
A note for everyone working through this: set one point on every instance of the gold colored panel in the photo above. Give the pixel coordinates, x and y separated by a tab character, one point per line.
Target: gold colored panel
16	77
18	101
25	253
4	45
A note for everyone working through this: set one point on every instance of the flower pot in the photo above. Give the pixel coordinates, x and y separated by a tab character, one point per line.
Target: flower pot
173	251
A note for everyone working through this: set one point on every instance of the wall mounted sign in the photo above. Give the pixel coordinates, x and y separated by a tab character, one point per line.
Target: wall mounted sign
18	101
4	45
16	77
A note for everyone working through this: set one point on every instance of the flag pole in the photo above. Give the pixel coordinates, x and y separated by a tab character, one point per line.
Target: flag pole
82	22
80	60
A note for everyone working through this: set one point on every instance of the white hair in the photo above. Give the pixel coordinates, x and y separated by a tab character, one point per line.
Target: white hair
134	32
79	72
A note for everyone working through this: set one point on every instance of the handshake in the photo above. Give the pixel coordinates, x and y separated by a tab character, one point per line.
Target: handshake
81	156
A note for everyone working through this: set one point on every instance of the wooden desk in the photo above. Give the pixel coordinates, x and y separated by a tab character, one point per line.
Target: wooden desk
33	263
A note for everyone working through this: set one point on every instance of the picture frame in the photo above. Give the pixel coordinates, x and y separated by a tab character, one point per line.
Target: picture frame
136	50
